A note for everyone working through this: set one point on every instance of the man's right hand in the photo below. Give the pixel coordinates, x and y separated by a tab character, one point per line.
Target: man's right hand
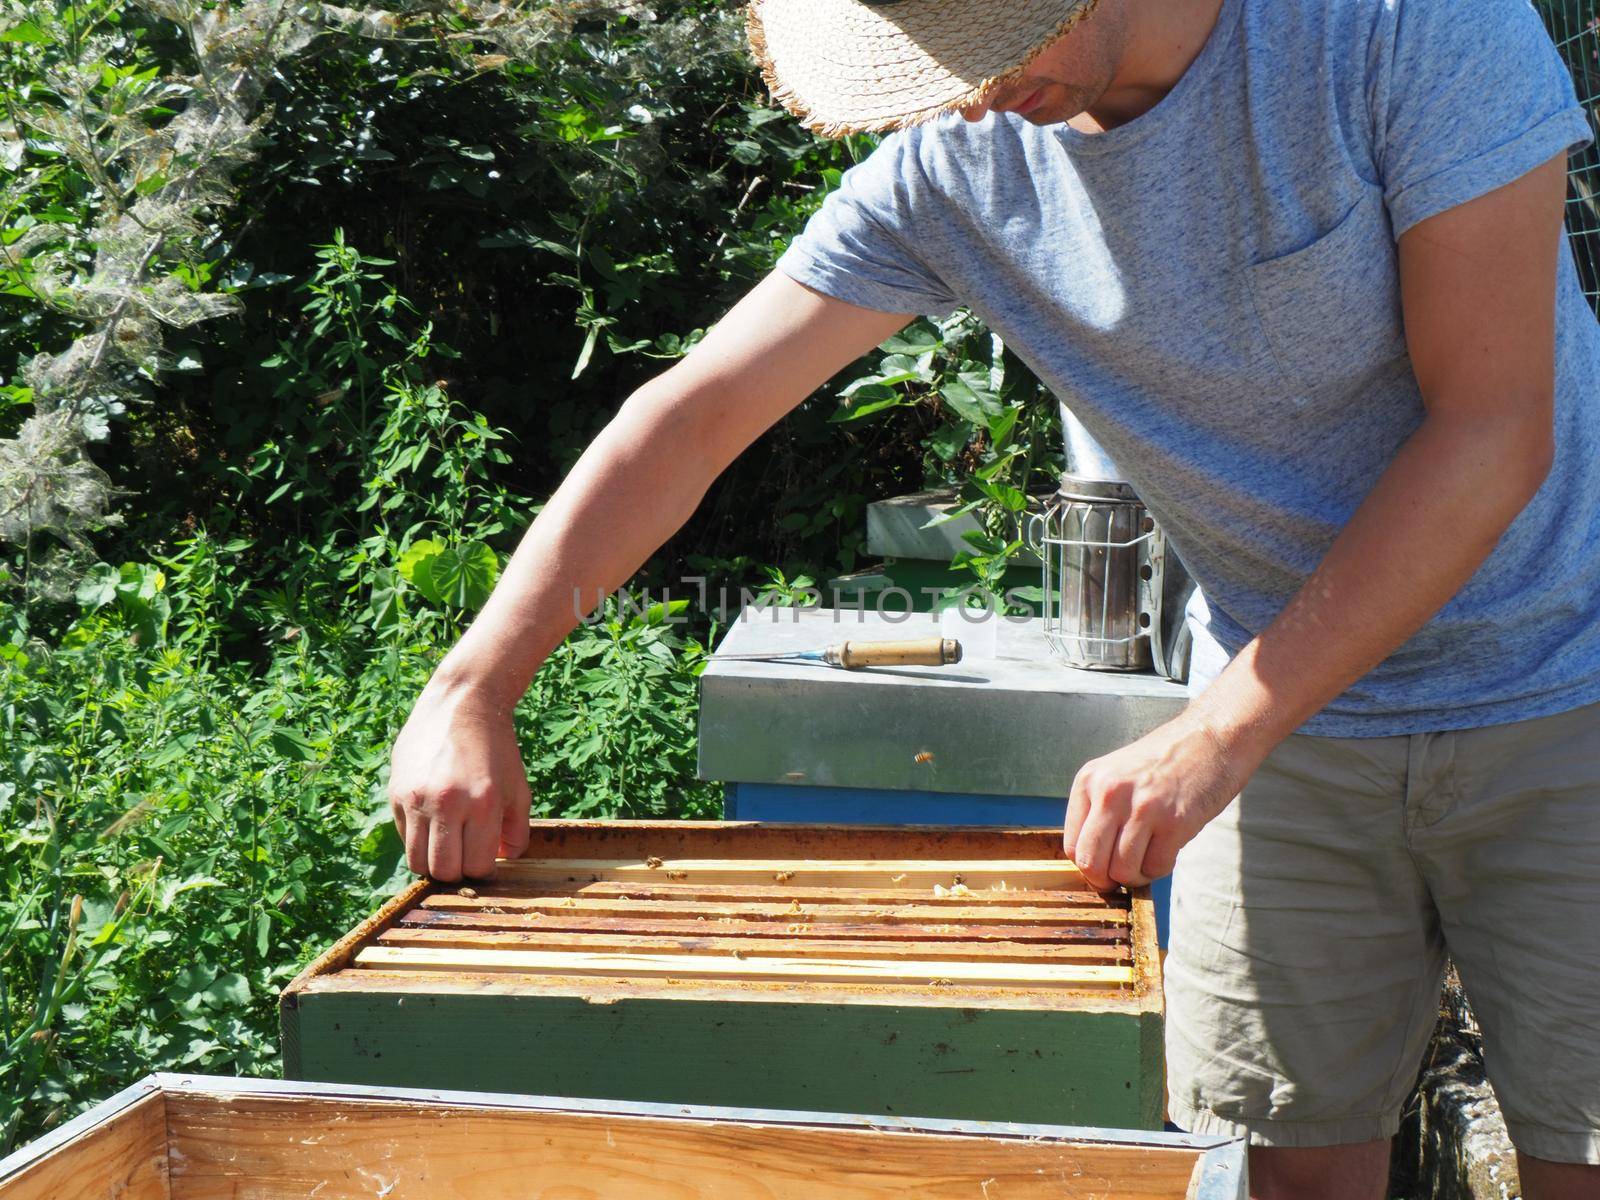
457	785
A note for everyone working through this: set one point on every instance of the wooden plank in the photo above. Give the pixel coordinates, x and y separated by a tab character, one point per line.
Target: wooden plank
1034	874
226	1088
751	967
123	1157
774	839
647	924
793	913
341	1150
1147	952
914	1051
651	889
794	947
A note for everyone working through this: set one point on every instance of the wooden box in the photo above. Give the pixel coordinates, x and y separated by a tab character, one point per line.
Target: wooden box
953	973
199	1138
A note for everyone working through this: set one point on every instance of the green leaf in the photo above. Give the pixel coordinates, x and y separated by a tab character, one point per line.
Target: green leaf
383	606
228	991
99	587
971	404
950	440
139	583
173	751
460	576
658	612
291	745
415	567
587	352
1000	426
916	339
26	31
1007	497
873	398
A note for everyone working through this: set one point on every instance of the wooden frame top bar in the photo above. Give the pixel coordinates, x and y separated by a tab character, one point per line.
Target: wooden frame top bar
767	839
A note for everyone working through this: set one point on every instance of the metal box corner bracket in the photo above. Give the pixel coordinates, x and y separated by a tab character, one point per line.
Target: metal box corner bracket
1018	724
952	973
175	1137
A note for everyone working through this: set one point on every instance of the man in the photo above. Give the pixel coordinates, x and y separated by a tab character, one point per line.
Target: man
1299	266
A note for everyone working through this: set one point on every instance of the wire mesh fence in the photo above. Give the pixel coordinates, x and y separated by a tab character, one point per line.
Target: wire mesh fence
1575	26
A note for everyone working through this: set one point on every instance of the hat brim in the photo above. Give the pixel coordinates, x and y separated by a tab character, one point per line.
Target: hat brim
845	67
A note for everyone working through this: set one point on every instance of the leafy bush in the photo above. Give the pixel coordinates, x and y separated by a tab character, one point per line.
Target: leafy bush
465	234
182	826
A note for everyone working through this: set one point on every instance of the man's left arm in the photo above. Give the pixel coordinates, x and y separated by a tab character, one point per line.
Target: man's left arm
1478	289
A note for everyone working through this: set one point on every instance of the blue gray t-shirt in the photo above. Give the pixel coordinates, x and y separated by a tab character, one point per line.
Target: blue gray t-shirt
1212	288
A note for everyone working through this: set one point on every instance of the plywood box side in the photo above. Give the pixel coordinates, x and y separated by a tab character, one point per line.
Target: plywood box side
115	1152
177	1137
338	1148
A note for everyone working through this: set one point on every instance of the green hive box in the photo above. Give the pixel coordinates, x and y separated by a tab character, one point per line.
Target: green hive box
968	974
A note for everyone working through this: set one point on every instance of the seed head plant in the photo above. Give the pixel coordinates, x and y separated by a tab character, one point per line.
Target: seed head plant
159	156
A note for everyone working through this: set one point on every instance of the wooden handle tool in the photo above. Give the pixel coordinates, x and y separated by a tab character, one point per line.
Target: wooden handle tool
852	656
922	652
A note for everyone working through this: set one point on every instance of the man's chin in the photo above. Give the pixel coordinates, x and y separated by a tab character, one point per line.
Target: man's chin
1045	116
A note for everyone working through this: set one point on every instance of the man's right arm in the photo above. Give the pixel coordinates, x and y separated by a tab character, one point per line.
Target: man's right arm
457	784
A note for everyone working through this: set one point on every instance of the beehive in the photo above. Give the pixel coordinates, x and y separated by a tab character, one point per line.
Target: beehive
959	973
198	1138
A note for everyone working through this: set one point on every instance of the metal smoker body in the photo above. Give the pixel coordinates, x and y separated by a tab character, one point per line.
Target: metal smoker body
1105	566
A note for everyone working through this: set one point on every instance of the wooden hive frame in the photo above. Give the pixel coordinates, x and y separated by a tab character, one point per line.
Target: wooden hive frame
965	972
197	1138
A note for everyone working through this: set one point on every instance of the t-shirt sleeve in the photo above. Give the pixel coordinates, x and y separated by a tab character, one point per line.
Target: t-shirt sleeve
858	246
1466	96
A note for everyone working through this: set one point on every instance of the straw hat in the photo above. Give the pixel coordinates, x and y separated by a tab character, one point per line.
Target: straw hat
866	66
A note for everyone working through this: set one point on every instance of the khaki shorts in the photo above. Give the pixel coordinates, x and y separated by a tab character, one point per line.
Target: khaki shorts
1311	920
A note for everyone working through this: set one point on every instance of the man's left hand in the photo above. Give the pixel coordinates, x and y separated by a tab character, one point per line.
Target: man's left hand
1133	810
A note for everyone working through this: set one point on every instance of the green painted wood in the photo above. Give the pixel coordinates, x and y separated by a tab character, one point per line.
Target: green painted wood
1153	1059
1037	1067
289	1036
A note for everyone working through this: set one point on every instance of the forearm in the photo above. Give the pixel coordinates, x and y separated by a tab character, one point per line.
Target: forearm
1427	525
635	485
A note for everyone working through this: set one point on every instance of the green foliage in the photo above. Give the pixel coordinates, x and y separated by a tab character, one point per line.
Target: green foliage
144	761
608	726
144	161
319	481
996	424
